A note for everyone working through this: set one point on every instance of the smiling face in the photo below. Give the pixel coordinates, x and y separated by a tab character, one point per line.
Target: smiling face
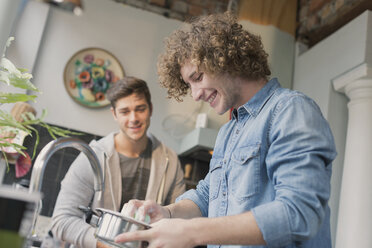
221	92
133	116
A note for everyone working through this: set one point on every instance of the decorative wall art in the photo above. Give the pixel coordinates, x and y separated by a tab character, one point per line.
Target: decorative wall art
89	74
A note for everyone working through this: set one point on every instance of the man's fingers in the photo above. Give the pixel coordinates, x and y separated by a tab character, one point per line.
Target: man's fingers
147	211
141	215
152	209
130	208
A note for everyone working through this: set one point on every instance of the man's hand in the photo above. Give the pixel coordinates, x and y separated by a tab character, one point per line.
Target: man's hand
166	233
241	229
139	210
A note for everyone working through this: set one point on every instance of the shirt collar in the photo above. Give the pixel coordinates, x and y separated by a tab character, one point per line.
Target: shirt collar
255	104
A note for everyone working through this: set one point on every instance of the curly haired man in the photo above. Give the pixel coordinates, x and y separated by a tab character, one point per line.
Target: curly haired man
269	179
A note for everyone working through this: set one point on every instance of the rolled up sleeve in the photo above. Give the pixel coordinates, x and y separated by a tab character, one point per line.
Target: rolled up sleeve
200	195
299	165
274	236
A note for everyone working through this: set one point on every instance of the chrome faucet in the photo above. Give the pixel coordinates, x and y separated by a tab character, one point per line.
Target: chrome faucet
47	152
55	145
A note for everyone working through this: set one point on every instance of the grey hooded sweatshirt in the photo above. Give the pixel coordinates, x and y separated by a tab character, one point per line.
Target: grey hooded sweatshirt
77	188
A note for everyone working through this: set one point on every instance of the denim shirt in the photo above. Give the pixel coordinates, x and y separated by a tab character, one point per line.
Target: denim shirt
273	158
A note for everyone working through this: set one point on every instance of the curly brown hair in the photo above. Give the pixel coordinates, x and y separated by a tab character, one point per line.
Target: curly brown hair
216	44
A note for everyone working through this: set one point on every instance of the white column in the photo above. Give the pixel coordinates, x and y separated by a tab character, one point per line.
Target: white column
354	228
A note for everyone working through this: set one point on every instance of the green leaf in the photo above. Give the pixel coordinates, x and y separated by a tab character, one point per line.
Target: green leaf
7	120
11	75
56	131
4	77
9	41
49	130
6	143
30	116
6	161
9	67
43	114
15	97
22	70
36	141
14	125
7	44
22	83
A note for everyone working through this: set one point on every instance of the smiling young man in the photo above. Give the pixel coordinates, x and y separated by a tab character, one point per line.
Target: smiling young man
134	164
269	178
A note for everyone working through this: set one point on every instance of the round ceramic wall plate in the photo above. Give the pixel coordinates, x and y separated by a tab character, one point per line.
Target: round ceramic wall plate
89	74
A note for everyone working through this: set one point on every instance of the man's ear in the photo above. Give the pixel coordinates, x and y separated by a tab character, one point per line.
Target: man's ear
113	112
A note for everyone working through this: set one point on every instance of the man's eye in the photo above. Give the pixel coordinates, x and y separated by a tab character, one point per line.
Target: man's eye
124	112
141	109
200	77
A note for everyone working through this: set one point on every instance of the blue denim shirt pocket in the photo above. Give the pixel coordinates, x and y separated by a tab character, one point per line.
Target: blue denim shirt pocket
215	172
245	172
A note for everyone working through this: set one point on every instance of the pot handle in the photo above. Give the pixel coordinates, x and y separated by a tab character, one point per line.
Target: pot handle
91	217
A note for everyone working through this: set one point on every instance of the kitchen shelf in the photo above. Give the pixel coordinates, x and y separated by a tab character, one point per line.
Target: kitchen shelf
195	166
197	140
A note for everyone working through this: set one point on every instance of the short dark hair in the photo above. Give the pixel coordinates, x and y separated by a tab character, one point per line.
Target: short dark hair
126	87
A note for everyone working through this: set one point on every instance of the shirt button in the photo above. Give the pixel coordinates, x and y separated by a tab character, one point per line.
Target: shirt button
224	161
237	131
224	193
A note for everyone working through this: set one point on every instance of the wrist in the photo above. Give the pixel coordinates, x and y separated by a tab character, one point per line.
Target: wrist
169	211
189	227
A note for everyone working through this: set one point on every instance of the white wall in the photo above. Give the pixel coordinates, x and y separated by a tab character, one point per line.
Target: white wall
314	71
280	46
28	33
9	11
135	37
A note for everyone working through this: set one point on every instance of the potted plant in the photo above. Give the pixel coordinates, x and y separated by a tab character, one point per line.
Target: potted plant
14	129
15	203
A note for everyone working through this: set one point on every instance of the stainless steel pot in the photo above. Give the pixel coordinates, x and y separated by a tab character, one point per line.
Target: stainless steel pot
109	224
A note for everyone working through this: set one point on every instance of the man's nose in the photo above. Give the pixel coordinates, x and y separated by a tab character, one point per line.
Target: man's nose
196	93
133	116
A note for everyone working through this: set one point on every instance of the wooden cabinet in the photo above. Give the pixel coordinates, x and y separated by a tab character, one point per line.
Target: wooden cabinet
195	166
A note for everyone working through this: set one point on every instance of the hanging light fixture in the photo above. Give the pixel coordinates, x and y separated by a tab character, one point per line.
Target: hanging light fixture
74	6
